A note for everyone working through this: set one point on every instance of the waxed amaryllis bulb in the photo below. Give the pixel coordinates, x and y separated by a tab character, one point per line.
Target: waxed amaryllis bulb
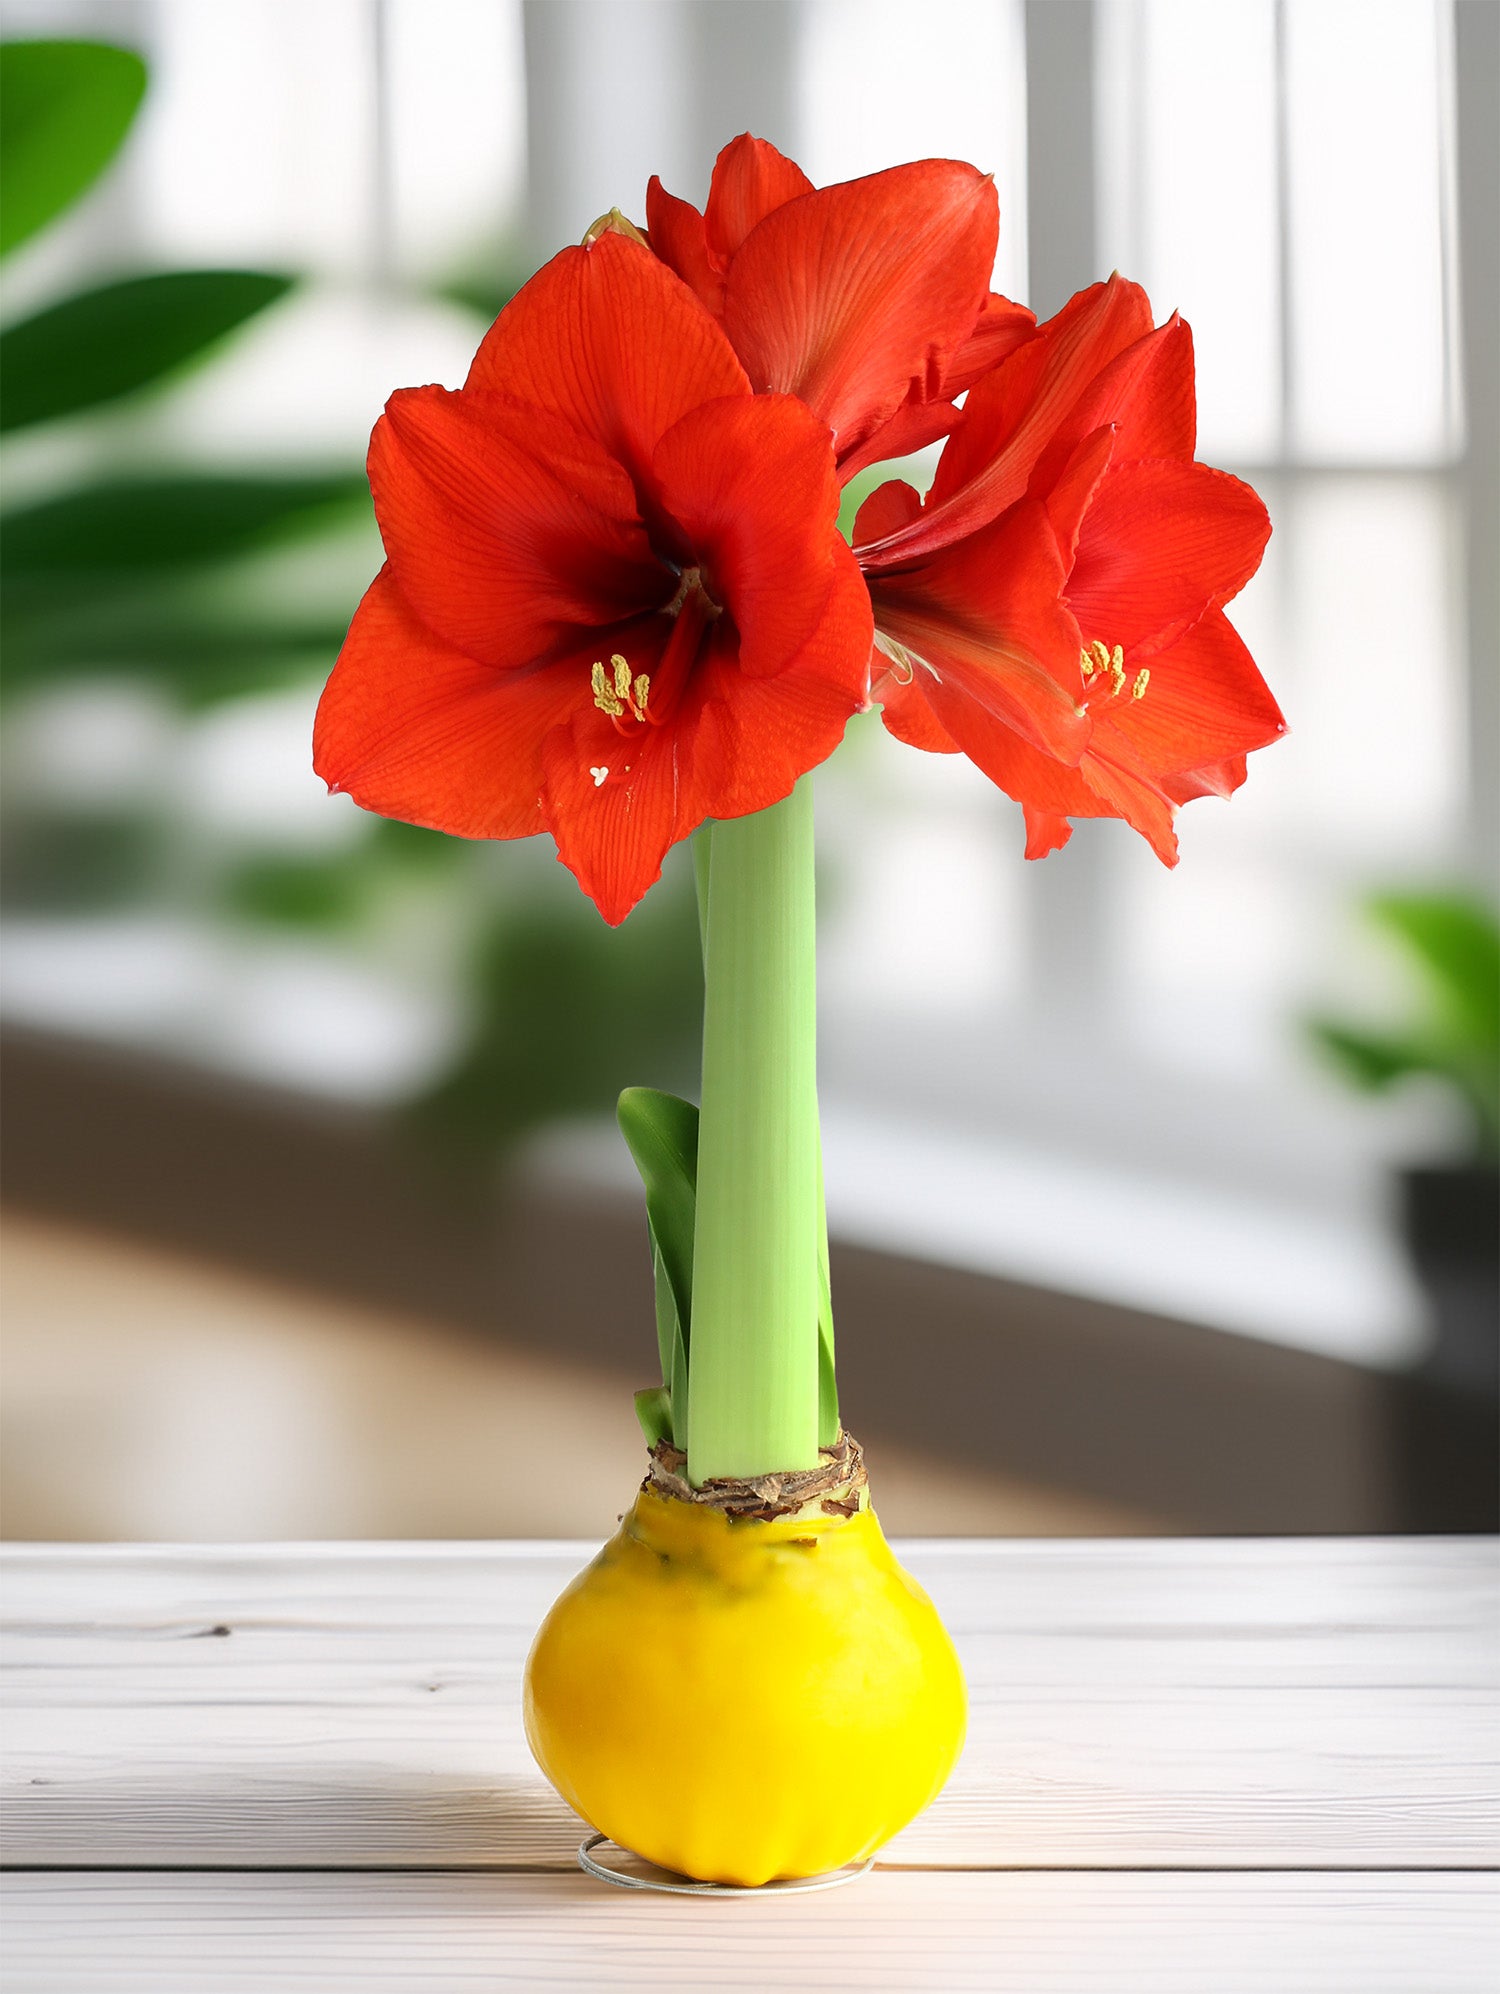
741	1699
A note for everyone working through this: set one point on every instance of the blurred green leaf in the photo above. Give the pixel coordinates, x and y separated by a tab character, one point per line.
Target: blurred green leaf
1371	1060
414	845
298	893
130	524
1455	940
80	863
100	344
65	106
486	298
126	634
569	1011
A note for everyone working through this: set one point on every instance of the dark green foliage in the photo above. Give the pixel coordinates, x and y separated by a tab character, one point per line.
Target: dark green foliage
98	345
569	1011
485	297
1453	941
77	864
130	524
64	109
296	893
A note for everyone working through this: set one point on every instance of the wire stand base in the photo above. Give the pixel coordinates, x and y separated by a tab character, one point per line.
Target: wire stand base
830	1880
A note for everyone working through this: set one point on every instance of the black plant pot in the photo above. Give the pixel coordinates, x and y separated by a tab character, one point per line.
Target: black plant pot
1447	1410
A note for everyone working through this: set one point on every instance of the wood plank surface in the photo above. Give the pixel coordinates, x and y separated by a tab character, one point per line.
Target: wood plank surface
1015	1933
1197	1705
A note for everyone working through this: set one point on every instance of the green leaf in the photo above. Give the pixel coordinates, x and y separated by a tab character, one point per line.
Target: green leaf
662	1134
828	1389
1456	942
1373	1060
653	1408
299	892
65	107
486	297
101	344
129	524
566	1011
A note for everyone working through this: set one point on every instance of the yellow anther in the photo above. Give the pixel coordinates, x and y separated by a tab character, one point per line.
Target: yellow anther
604	699
1098	657
615	693
1142	680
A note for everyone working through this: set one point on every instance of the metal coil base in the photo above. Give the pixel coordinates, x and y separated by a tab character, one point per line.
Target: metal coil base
830	1880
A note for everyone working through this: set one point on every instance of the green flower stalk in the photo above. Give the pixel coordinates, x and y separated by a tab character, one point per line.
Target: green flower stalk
754	1374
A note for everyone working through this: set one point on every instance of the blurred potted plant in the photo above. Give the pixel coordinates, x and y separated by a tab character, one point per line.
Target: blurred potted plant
1448	1412
139	571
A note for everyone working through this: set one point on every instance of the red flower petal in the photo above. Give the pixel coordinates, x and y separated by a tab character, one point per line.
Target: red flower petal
679	237
908	716
608	338
505	528
1160	544
1015	411
1148	393
776	728
734	744
986	618
751	179
751	483
1127	788
1044	832
1100	786
848	296
999	330
914	425
1219	779
413	728
1205	704
888	509
617	802
1070	497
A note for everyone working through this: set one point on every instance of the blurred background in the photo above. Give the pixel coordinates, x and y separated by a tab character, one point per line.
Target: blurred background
1161	1202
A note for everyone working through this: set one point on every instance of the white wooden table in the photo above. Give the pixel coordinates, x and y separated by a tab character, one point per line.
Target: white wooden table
1208	1767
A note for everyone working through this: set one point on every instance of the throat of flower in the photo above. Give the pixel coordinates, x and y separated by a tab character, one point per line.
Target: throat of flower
648	699
689	585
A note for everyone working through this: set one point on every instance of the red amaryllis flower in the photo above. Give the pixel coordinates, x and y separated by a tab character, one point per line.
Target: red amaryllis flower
1054	610
869	300
615	601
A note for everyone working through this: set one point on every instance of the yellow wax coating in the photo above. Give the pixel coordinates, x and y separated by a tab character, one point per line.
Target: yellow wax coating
742	1700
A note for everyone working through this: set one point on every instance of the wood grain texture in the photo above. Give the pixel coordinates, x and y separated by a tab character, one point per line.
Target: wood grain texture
1200	1705
1242	1933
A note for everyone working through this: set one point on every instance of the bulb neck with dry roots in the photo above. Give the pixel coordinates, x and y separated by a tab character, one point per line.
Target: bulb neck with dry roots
744	1684
838	1486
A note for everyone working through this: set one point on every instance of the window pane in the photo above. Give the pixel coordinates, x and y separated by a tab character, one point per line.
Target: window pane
1365	151
1377	720
456	82
921	911
881	81
256	146
1186	98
